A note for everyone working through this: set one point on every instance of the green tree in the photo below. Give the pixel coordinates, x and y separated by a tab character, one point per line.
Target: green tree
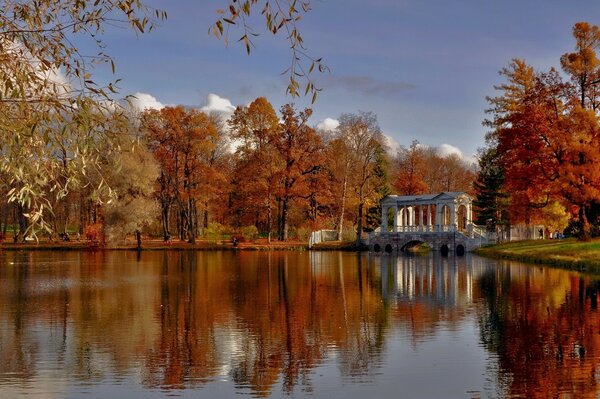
491	200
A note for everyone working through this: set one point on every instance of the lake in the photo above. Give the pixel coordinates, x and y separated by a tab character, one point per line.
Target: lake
293	324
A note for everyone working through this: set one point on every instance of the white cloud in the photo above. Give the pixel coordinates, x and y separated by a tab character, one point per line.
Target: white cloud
392	143
447	149
142	101
328	124
218	104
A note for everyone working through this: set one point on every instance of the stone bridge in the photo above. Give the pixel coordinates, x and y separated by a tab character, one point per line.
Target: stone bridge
442	221
437	241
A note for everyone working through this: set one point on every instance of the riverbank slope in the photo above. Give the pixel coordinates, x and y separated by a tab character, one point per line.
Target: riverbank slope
568	253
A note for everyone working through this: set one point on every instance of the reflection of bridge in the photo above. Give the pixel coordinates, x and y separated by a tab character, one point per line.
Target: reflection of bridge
443	221
430	279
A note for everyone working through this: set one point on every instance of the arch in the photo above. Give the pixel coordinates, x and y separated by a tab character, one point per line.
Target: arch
462	217
388	248
376	248
410	245
444	250
460	250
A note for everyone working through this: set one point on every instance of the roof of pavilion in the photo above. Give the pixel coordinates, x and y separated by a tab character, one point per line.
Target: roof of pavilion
449	195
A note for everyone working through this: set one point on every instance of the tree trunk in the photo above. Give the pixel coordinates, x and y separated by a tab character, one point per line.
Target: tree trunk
191	224
342	210
165	220
584	226
279	229
284	221
359	225
269	217
205	218
138	238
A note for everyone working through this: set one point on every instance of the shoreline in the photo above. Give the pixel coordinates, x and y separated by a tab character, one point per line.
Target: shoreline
159	245
570	254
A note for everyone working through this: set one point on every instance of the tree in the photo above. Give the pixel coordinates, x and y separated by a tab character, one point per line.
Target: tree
259	164
410	170
57	115
365	141
547	132
300	149
556	217
134	206
280	16
491	200
182	142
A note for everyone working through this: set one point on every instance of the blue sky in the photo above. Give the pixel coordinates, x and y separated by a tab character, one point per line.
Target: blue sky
424	67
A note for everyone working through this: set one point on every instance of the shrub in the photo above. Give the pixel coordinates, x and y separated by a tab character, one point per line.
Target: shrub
249	232
94	235
303	233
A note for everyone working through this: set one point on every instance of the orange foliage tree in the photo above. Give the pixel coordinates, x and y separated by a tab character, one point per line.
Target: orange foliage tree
182	142
548	134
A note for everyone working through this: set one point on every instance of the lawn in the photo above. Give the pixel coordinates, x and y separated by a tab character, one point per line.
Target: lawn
568	253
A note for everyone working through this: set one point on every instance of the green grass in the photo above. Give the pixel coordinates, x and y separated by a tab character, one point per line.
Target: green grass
567	253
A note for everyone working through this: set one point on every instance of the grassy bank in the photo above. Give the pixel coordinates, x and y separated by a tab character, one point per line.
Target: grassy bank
567	253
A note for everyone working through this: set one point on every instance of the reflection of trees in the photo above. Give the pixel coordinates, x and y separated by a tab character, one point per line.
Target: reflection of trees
543	324
263	316
59	307
263	319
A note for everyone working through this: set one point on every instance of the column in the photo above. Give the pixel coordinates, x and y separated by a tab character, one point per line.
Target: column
395	229
470	213
405	218
429	217
421	218
384	219
438	219
453	217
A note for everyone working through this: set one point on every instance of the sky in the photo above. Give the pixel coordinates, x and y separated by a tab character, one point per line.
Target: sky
423	67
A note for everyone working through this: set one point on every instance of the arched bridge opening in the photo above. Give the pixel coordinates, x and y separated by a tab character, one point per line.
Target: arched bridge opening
413	245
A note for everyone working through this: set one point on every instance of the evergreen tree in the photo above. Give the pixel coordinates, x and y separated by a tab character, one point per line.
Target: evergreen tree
491	201
382	188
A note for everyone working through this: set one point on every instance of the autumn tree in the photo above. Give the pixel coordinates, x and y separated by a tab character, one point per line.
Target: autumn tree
182	141
548	134
56	112
300	149
259	163
135	206
410	170
364	139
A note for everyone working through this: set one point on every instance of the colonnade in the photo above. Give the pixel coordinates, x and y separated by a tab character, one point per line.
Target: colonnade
440	213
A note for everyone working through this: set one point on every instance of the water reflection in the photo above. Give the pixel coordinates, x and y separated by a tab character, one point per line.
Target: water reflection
544	326
272	324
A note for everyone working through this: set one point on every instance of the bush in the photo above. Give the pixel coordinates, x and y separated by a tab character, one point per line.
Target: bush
214	230
249	232
303	233
94	234
348	232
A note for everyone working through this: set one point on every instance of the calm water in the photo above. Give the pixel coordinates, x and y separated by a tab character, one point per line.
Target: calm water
293	324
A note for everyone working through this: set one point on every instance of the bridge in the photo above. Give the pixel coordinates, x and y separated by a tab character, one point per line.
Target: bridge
443	221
